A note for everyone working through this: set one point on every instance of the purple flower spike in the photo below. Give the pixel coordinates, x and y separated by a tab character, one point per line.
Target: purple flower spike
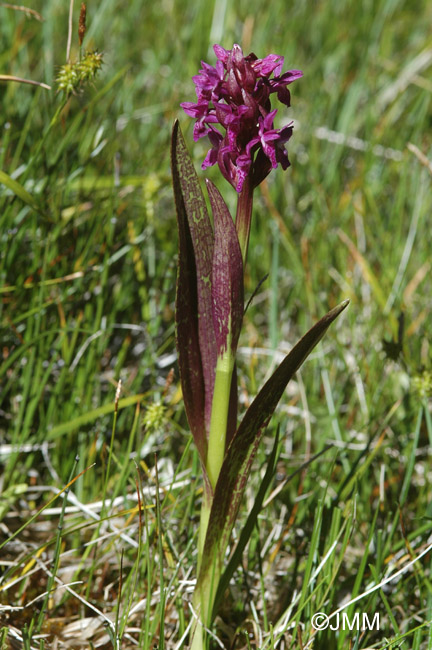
236	96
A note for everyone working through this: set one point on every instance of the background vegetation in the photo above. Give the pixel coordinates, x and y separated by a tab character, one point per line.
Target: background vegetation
87	283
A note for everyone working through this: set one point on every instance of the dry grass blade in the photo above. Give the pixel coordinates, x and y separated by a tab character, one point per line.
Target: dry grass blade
421	156
8	77
26	10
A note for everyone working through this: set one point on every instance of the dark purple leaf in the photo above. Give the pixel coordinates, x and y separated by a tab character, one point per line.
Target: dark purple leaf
227	275
194	321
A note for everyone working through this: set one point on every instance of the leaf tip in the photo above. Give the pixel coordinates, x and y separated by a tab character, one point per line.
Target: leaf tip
343	305
334	313
174	134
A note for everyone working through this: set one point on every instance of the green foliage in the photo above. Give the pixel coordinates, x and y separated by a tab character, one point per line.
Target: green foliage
87	286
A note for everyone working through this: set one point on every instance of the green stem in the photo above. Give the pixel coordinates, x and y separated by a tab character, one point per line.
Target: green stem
203	601
198	642
204	519
219	414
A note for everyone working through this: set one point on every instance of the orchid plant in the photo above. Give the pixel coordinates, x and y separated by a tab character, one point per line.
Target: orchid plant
233	110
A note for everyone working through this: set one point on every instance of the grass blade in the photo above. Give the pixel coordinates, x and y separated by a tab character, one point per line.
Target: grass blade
19	191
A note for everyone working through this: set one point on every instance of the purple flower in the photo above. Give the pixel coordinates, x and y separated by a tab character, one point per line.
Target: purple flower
235	95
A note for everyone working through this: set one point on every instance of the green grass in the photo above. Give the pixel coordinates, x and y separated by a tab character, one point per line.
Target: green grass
87	284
